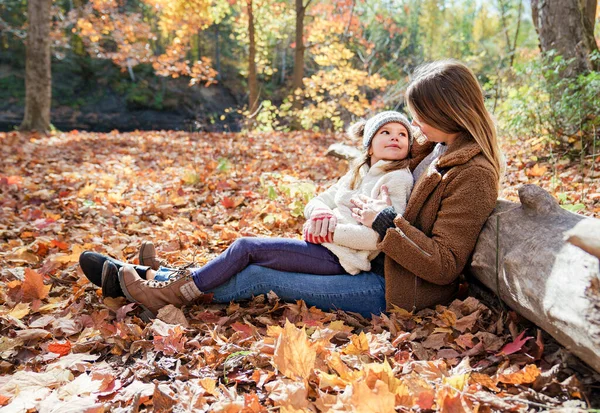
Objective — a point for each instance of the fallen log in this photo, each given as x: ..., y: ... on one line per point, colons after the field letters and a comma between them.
x: 342, y: 151
x: 522, y: 255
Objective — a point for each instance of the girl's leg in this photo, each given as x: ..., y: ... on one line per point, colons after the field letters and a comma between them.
x: 363, y: 293
x: 283, y: 254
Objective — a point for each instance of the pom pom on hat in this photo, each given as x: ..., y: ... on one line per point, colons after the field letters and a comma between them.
x: 372, y: 125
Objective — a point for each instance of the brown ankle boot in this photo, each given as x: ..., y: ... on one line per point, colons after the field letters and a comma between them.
x: 147, y: 255
x: 153, y: 295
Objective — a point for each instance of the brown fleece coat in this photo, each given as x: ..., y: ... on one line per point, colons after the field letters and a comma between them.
x: 431, y: 243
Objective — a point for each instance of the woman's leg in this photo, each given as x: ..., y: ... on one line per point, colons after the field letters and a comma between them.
x: 283, y: 254
x: 363, y: 293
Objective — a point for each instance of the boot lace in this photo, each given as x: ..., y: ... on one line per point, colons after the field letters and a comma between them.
x: 176, y: 275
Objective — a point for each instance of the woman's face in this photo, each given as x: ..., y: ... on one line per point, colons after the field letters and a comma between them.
x: 432, y: 134
x: 390, y: 143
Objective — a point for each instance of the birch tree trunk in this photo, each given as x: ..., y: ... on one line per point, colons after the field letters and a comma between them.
x: 38, y: 77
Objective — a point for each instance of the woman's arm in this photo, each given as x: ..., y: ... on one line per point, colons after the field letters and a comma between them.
x: 467, y: 203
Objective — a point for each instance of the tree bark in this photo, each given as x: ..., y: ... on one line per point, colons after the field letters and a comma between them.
x: 252, y: 79
x: 566, y: 27
x: 589, y: 8
x: 38, y: 76
x: 298, y: 73
x: 522, y: 256
x: 217, y: 52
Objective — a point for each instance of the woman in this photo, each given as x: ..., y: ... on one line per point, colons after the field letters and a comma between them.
x: 425, y: 249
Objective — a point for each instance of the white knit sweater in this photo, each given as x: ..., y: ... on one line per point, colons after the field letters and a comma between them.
x: 354, y: 244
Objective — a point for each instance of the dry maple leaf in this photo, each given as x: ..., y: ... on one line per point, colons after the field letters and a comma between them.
x: 527, y: 374
x: 288, y: 393
x: 172, y: 315
x: 516, y: 345
x: 60, y: 348
x: 294, y: 354
x: 375, y: 399
x: 33, y: 287
x: 173, y: 343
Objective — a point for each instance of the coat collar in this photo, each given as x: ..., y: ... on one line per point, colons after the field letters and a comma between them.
x: 463, y: 149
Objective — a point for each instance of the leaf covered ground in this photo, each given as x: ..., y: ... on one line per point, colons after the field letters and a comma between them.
x: 65, y: 348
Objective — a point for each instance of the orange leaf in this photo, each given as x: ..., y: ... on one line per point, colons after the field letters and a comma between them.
x: 244, y: 329
x: 59, y: 244
x: 484, y: 380
x: 173, y: 343
x: 451, y: 404
x: 294, y: 356
x: 227, y: 202
x: 527, y: 374
x: 4, y: 400
x: 536, y: 170
x: 33, y: 287
x: 60, y: 348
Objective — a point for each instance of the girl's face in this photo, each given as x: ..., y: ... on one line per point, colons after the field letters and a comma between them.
x: 390, y: 143
x: 432, y: 134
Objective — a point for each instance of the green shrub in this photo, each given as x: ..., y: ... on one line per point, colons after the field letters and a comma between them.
x: 541, y: 102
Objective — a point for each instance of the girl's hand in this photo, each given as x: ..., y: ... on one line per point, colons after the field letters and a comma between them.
x: 322, y: 222
x: 366, y: 209
x: 309, y: 237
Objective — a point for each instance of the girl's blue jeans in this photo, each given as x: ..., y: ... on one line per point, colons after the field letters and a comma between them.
x: 283, y: 254
x: 293, y: 269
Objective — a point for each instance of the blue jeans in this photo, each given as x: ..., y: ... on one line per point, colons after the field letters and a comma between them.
x: 363, y: 293
x: 294, y: 270
x: 283, y: 254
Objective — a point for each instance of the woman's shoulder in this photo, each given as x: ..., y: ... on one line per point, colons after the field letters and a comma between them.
x: 477, y: 172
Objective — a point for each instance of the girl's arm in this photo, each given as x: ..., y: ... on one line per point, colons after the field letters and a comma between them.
x: 325, y: 200
x: 360, y: 237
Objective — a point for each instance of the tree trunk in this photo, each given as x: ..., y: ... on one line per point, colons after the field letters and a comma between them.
x: 589, y: 10
x: 521, y: 255
x: 298, y: 74
x: 38, y: 77
x: 565, y: 26
x: 252, y: 79
x: 217, y: 52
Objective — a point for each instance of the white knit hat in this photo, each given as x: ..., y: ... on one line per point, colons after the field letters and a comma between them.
x: 377, y: 121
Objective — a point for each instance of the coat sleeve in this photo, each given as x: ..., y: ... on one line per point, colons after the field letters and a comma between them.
x: 325, y: 200
x: 355, y: 236
x: 466, y: 204
x: 359, y: 237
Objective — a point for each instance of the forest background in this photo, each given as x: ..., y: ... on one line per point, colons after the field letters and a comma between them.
x: 281, y: 65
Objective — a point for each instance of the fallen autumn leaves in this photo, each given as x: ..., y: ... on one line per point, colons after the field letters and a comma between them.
x: 64, y: 348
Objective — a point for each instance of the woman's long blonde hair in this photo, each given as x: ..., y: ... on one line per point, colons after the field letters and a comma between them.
x: 357, y: 131
x: 447, y: 96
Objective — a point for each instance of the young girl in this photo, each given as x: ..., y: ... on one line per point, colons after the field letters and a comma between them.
x: 335, y: 243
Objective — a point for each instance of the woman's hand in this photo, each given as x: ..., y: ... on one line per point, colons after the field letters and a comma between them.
x: 366, y: 209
